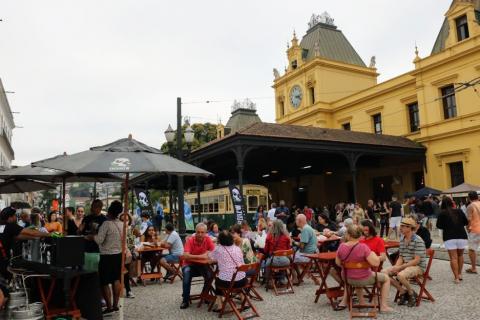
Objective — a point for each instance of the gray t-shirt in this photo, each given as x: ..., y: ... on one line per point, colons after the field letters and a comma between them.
x: 176, y: 243
x: 309, y: 239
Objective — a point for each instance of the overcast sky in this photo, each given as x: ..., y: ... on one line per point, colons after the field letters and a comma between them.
x: 89, y: 72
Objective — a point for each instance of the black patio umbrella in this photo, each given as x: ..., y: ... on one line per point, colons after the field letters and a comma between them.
x: 122, y: 156
x: 52, y: 175
x: 21, y: 186
x: 55, y: 176
x: 426, y: 191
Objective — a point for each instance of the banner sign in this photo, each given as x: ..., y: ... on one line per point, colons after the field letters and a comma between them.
x: 238, y: 207
x: 187, y: 213
x: 143, y: 200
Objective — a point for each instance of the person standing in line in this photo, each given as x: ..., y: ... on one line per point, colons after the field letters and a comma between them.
x: 71, y: 226
x: 79, y: 214
x: 271, y: 212
x: 282, y: 212
x: 453, y: 222
x: 90, y: 226
x: 109, y: 241
x: 473, y: 214
x: 384, y: 213
x: 396, y: 213
x: 371, y: 212
x: 358, y: 214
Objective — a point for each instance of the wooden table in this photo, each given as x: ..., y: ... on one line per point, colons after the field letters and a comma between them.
x: 391, y: 244
x: 322, y: 244
x: 325, y: 261
x: 150, y: 275
x: 207, y: 295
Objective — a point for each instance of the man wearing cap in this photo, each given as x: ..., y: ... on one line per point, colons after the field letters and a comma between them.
x: 411, y: 262
x: 10, y: 231
x: 473, y: 215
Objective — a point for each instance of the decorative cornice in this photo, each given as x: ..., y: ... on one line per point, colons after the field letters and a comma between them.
x: 465, y: 153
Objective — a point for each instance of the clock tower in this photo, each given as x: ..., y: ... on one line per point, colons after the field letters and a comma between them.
x: 322, y: 68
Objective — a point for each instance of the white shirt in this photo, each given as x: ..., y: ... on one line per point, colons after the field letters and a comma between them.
x: 271, y: 214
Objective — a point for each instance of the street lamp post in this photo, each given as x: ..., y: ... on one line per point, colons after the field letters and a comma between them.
x: 170, y: 136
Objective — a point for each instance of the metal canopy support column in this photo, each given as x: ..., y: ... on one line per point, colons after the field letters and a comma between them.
x: 352, y: 159
x: 240, y: 155
x: 170, y: 200
x: 199, y: 207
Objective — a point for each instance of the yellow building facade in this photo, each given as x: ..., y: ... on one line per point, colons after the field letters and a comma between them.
x: 436, y: 104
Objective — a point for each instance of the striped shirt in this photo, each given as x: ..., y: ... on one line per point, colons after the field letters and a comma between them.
x: 416, y: 247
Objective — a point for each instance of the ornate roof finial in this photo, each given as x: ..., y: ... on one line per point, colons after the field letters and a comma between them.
x: 294, y: 39
x: 417, y: 57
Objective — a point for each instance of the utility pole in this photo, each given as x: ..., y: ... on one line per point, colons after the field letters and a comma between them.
x: 181, y: 216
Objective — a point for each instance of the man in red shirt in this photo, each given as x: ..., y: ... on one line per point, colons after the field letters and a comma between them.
x: 372, y: 240
x: 196, y: 247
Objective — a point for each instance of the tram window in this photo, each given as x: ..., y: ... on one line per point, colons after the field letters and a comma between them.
x: 263, y: 201
x: 210, y: 207
x: 252, y: 203
x: 215, y: 207
x: 221, y: 203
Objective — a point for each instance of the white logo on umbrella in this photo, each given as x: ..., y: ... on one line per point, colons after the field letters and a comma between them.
x: 120, y: 164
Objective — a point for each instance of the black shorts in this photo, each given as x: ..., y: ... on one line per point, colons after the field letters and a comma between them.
x: 109, y: 268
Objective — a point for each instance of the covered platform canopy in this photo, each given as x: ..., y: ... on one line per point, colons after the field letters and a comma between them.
x: 462, y: 190
x: 267, y: 154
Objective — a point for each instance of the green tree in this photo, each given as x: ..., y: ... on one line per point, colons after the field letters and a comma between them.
x: 203, y: 133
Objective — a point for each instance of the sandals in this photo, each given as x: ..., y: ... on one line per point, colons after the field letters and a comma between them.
x: 471, y: 271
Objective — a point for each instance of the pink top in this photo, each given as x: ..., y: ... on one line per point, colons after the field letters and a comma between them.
x: 228, y: 259
x: 359, y: 253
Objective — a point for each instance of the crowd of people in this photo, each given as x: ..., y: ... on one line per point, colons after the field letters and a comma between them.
x: 362, y: 233
x: 283, y: 228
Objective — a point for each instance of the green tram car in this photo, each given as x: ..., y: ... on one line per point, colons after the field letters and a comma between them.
x: 216, y: 204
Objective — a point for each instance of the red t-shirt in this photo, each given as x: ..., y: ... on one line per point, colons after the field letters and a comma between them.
x: 195, y: 248
x: 376, y: 244
x: 308, y: 214
x: 281, y: 243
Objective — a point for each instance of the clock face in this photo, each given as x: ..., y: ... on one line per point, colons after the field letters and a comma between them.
x: 296, y: 96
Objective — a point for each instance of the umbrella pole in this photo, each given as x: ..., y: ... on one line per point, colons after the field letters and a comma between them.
x: 65, y: 222
x: 124, y: 234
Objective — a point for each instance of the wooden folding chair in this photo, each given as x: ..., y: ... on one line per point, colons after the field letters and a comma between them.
x: 422, y: 280
x: 373, y: 289
x: 252, y: 278
x: 229, y: 293
x: 302, y: 269
x: 274, y: 272
x: 177, y: 272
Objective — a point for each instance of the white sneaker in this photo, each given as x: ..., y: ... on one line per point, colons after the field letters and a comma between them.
x: 130, y: 295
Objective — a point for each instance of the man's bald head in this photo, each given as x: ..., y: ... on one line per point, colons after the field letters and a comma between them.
x: 301, y: 220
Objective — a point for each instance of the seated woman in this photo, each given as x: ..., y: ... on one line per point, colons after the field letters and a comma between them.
x: 354, y: 251
x: 213, y: 230
x: 277, y: 239
x: 150, y: 236
x: 228, y: 257
x: 325, y: 223
x: 53, y: 225
x: 260, y: 238
x: 243, y: 244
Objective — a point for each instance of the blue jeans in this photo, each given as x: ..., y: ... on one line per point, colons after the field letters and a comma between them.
x: 191, y: 271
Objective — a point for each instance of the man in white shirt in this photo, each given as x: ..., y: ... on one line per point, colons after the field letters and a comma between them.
x: 271, y: 212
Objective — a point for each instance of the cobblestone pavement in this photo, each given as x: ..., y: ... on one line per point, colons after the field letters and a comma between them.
x: 452, y: 302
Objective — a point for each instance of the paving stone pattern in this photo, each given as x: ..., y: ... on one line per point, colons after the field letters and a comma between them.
x: 453, y: 302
